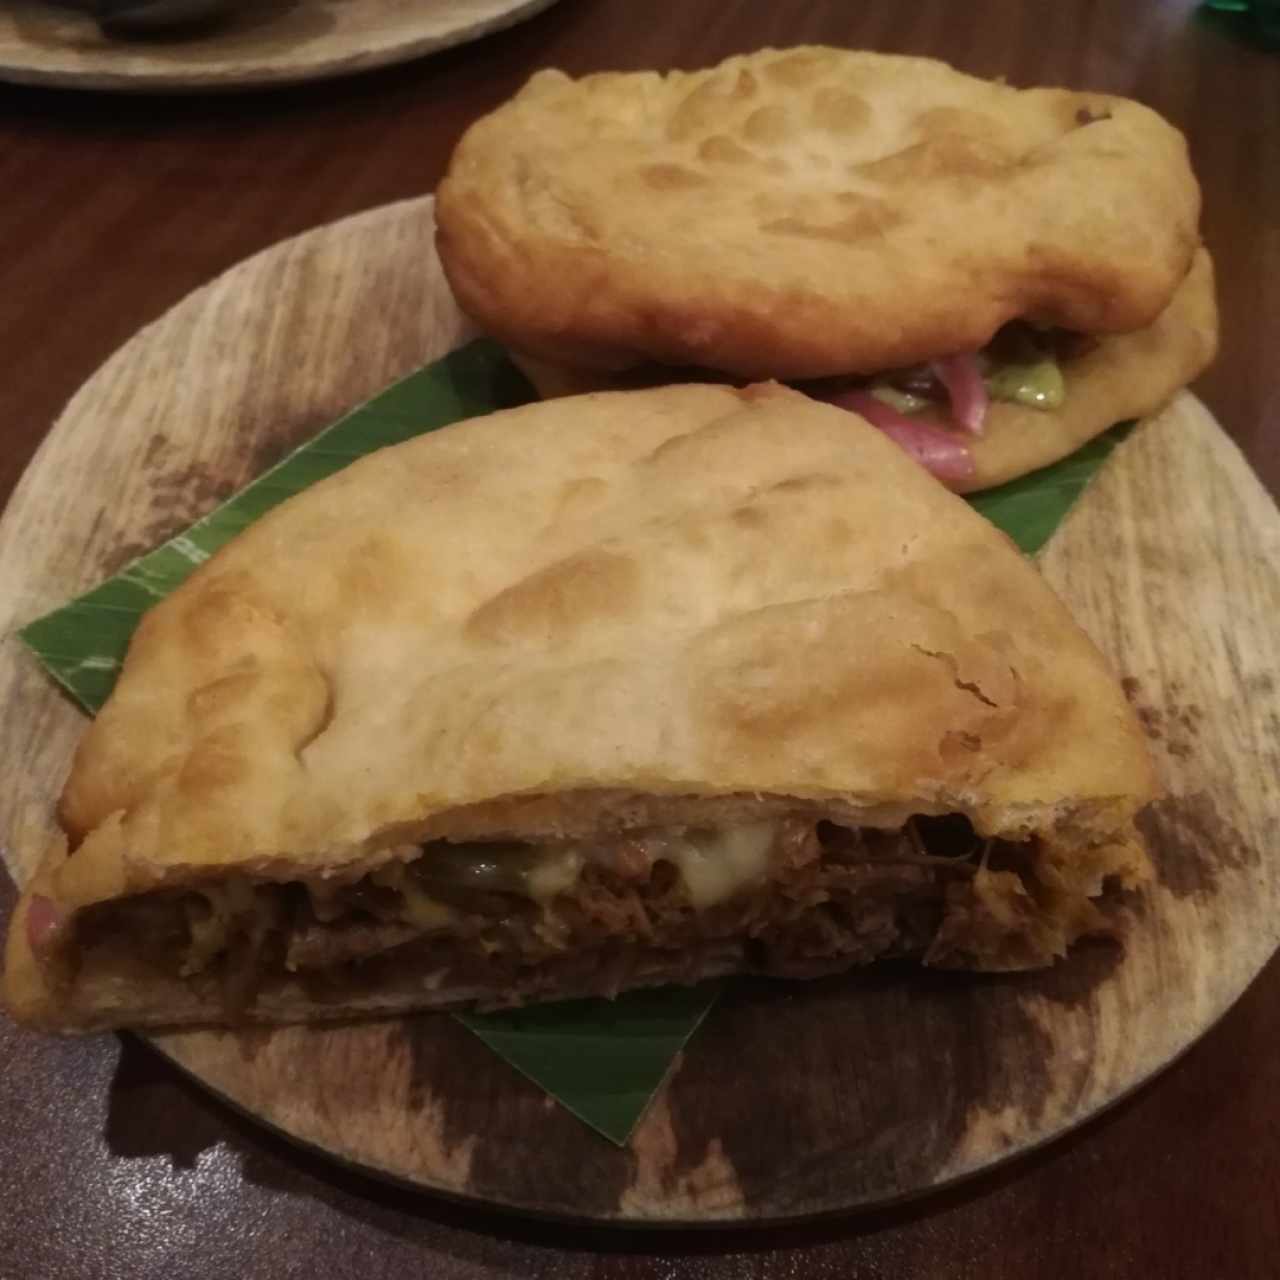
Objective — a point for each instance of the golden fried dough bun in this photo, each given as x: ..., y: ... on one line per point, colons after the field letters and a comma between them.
x: 681, y: 606
x: 1127, y: 375
x: 809, y: 212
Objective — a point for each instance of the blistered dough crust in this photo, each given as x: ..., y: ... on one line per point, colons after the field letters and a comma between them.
x: 809, y: 212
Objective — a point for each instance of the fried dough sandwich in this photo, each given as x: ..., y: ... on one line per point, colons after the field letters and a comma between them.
x: 619, y: 690
x: 991, y: 276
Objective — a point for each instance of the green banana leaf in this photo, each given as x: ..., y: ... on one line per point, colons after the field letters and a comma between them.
x: 603, y: 1060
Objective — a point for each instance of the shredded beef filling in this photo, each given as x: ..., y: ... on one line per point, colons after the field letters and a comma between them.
x: 519, y: 920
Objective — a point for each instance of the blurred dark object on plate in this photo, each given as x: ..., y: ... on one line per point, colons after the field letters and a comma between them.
x: 1257, y: 20
x: 152, y: 19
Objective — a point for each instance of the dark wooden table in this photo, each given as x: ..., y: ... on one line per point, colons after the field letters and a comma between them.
x: 112, y: 208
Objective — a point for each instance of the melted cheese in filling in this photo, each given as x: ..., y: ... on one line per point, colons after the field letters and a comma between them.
x: 715, y: 865
x: 419, y: 907
x: 554, y: 873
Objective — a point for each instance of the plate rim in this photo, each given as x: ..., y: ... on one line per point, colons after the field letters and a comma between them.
x: 266, y: 72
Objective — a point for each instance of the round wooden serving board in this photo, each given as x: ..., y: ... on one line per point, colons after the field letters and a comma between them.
x: 793, y: 1098
x: 263, y: 42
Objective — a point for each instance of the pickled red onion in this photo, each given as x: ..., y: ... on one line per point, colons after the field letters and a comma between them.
x: 965, y: 388
x: 44, y: 919
x: 938, y: 450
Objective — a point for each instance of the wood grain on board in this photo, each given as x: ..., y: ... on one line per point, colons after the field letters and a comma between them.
x: 260, y: 42
x: 793, y: 1099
